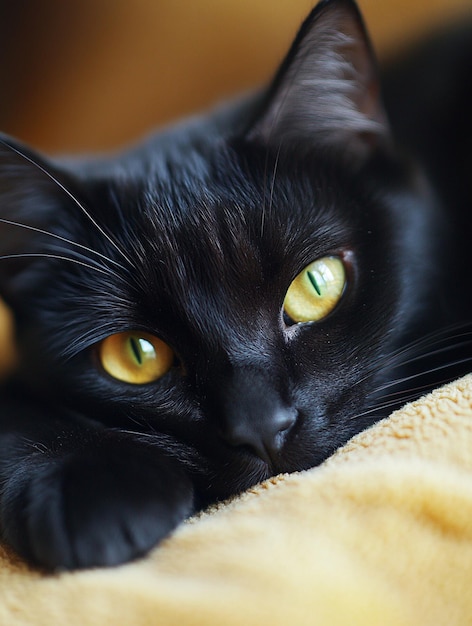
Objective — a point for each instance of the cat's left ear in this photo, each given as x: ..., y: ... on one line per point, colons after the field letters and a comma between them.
x: 31, y: 197
x: 326, y: 94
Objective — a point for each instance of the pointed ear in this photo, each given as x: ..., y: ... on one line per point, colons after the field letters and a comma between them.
x: 28, y: 193
x: 29, y: 200
x: 326, y: 93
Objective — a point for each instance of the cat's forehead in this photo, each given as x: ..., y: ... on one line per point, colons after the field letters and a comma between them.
x: 207, y: 221
x: 208, y: 226
x: 230, y: 206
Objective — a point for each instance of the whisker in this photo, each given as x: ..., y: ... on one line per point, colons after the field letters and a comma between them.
x: 378, y: 413
x: 70, y: 195
x: 139, y: 433
x: 56, y: 256
x: 85, y: 340
x: 38, y: 446
x: 409, y: 395
x: 438, y: 351
x: 444, y: 334
x: 430, y: 346
x: 388, y: 405
x: 274, y: 175
x: 393, y: 360
x: 448, y: 348
x: 264, y: 199
x: 402, y: 398
x: 164, y: 442
x: 405, y: 379
x: 64, y: 239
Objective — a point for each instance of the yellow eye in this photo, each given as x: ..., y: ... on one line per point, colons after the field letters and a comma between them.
x: 316, y: 291
x: 135, y: 357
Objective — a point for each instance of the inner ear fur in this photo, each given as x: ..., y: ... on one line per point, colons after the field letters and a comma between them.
x: 326, y: 94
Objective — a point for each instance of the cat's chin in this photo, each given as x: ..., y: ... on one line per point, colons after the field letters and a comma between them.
x: 242, y: 470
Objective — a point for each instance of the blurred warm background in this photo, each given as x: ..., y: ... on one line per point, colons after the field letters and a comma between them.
x: 84, y: 75
x: 93, y: 74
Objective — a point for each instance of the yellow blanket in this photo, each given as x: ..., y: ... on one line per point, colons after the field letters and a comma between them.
x: 380, y: 534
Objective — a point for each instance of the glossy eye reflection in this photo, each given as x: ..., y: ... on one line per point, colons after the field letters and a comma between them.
x: 316, y: 290
x: 135, y: 357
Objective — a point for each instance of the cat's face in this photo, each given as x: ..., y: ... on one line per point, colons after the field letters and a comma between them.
x: 194, y: 240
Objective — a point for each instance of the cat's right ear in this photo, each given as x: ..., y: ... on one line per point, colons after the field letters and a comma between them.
x: 30, y: 196
x: 326, y: 94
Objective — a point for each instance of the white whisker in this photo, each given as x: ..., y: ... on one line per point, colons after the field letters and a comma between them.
x: 394, y: 360
x: 405, y: 379
x: 378, y: 408
x: 56, y: 256
x: 274, y: 176
x: 64, y: 239
x: 71, y: 196
x: 435, y: 338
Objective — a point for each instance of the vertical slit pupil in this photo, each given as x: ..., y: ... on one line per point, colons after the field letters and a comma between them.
x: 135, y: 348
x: 312, y: 280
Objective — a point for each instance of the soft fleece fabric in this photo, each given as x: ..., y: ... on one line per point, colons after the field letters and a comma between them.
x: 380, y: 534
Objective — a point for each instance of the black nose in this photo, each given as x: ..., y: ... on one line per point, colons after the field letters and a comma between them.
x: 263, y: 433
x: 253, y: 414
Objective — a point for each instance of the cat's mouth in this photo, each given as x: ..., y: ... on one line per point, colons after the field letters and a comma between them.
x: 237, y: 469
x: 241, y: 471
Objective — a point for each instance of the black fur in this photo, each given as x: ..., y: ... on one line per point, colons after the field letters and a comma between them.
x: 195, y: 236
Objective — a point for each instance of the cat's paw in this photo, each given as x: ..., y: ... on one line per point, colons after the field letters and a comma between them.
x: 98, y: 506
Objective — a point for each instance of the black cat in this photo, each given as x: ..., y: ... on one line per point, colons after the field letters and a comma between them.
x: 234, y: 298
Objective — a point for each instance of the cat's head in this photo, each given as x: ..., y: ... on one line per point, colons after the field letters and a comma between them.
x: 234, y: 282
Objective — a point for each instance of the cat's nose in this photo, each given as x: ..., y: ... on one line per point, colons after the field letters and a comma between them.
x: 263, y: 434
x: 253, y: 415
